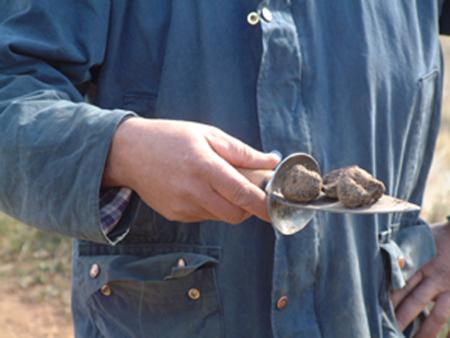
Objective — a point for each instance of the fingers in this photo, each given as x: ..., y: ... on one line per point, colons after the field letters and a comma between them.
x: 236, y: 189
x: 223, y: 210
x: 415, y: 302
x: 398, y: 295
x: 437, y: 318
x: 196, y: 213
x: 239, y: 154
x: 231, y: 185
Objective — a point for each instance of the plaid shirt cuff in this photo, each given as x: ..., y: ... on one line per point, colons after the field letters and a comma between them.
x: 113, y: 202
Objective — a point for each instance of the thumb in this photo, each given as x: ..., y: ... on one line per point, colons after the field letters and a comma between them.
x: 239, y: 154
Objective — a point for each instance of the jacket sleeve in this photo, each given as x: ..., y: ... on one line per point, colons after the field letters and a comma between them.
x: 53, y: 145
x: 444, y: 23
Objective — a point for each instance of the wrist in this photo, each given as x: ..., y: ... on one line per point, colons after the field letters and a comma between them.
x: 116, y: 172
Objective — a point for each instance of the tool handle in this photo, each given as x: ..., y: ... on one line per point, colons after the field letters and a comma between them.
x: 259, y: 177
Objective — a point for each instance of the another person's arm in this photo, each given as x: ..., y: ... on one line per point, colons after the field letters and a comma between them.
x: 431, y: 284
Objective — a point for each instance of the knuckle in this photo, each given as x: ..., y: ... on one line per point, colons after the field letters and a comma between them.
x: 244, y: 151
x: 212, y: 133
x: 214, y: 130
x: 203, y: 168
x: 236, y: 218
x: 241, y: 196
x: 439, y: 318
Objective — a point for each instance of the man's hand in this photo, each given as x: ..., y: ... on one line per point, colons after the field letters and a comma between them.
x: 430, y: 284
x: 186, y: 171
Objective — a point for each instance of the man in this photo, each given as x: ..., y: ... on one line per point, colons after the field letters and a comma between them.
x: 144, y: 176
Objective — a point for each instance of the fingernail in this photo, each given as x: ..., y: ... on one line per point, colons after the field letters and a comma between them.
x: 277, y: 154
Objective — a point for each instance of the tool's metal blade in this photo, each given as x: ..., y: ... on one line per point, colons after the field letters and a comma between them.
x: 385, y: 205
x: 290, y: 217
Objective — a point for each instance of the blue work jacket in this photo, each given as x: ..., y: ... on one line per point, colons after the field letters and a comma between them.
x: 350, y: 82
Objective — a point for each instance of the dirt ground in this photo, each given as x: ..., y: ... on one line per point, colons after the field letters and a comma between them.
x: 22, y: 318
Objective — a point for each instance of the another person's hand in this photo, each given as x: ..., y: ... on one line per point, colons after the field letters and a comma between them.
x: 430, y: 284
x: 186, y: 171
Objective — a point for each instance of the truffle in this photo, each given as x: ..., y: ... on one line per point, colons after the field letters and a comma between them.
x: 330, y: 182
x: 353, y: 186
x: 301, y: 184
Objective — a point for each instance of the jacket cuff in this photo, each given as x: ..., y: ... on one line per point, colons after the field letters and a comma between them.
x: 121, y: 227
x: 113, y: 203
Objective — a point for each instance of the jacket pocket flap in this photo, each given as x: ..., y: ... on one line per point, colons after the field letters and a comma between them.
x: 159, y: 268
x: 191, y: 264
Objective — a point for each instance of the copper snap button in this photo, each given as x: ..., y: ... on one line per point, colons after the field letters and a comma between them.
x: 282, y: 302
x: 181, y: 263
x: 106, y: 290
x: 401, y: 262
x: 194, y: 294
x: 94, y: 271
x: 253, y: 18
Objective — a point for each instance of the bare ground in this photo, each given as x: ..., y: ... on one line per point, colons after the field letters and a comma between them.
x: 21, y: 317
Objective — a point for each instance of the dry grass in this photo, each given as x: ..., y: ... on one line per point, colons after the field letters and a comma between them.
x: 436, y: 204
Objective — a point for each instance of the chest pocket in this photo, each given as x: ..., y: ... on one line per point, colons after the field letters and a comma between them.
x: 162, y: 296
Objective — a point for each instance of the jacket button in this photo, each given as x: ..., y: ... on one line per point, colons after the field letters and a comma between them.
x: 194, y: 294
x: 106, y: 290
x: 181, y: 263
x: 94, y: 271
x: 401, y: 262
x: 253, y: 18
x: 266, y: 14
x: 282, y: 302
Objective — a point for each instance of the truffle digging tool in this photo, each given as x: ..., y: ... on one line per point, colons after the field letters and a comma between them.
x: 289, y: 217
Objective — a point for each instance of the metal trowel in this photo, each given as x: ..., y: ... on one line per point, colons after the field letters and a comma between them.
x: 289, y: 217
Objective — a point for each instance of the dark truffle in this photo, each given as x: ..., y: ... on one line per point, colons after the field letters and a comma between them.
x: 330, y: 182
x: 353, y: 186
x: 301, y: 184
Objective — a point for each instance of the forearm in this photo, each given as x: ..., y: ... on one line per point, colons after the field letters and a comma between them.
x: 52, y: 154
x: 53, y: 146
